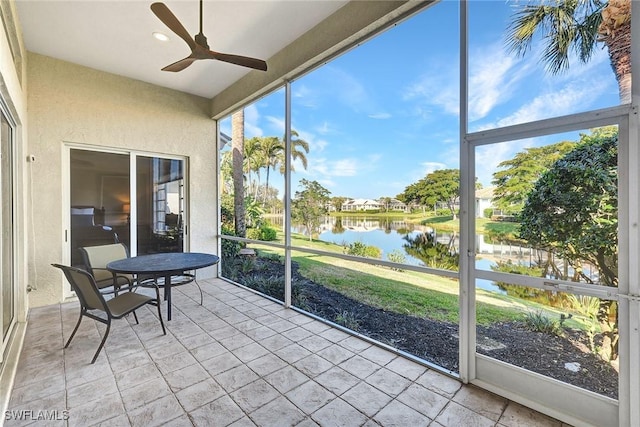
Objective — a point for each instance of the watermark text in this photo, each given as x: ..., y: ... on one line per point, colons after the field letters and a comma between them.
x: 31, y: 415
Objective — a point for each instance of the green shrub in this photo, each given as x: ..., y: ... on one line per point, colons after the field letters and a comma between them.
x: 264, y: 233
x: 230, y: 248
x: 397, y: 256
x: 253, y: 233
x: 539, y: 322
x: 273, y: 286
x: 360, y: 249
x: 487, y: 213
x: 268, y: 233
x: 348, y: 319
x: 226, y: 213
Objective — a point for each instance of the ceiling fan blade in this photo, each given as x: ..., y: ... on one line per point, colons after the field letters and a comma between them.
x: 169, y: 19
x: 245, y: 61
x: 180, y: 65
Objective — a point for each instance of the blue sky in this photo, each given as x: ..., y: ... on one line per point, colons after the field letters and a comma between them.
x: 386, y: 113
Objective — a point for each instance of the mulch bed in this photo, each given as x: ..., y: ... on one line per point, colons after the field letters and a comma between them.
x: 437, y: 342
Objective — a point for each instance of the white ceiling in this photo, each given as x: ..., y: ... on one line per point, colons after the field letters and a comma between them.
x: 115, y: 36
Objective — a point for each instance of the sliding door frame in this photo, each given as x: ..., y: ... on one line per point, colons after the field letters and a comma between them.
x: 13, y: 244
x: 133, y: 157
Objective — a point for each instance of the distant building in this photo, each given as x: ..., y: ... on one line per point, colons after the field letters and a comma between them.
x: 353, y: 205
x: 394, y: 205
x: 484, y: 200
x: 357, y: 205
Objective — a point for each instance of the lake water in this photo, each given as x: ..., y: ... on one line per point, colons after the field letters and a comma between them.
x: 389, y: 236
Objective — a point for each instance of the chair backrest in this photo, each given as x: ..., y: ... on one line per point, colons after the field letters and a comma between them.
x: 99, y: 256
x: 85, y: 287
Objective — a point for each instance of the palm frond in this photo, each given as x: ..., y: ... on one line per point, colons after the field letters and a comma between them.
x: 587, y: 35
x: 524, y: 26
x: 562, y: 25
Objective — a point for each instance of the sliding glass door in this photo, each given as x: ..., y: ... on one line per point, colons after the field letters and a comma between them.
x: 7, y: 240
x: 126, y: 197
x: 160, y: 205
x: 99, y: 191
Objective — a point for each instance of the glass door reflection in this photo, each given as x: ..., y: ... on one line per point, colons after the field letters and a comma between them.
x: 160, y: 205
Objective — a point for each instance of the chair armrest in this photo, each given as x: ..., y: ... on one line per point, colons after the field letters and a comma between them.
x: 114, y: 276
x: 152, y: 284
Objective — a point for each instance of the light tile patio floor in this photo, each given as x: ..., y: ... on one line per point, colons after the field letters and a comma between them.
x: 240, y: 360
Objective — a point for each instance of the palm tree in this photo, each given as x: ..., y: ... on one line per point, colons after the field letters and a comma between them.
x: 226, y: 171
x: 299, y: 150
x: 272, y: 150
x: 237, y: 145
x: 578, y: 26
x: 253, y: 157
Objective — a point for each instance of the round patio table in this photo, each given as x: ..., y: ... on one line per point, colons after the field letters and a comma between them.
x: 163, y: 265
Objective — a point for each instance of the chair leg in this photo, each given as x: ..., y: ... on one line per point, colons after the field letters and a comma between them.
x: 164, y: 331
x: 135, y: 316
x: 104, y: 339
x: 75, y: 329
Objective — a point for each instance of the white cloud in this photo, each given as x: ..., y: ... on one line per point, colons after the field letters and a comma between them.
x: 569, y: 99
x: 374, y: 158
x: 488, y: 157
x: 318, y: 145
x: 315, y: 145
x: 327, y: 183
x: 251, y: 119
x: 380, y: 116
x: 351, y: 91
x: 304, y: 96
x: 318, y: 166
x: 344, y: 167
x: 425, y: 169
x: 324, y: 128
x: 430, y: 167
x: 493, y: 76
x: 501, y: 78
x: 436, y: 88
x: 277, y: 124
x: 322, y: 168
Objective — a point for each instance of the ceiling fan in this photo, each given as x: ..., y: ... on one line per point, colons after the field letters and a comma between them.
x: 198, y: 45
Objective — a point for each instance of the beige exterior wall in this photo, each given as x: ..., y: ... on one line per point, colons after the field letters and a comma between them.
x: 69, y: 103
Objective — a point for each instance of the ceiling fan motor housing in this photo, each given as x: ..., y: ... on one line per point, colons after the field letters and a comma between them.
x: 201, y: 39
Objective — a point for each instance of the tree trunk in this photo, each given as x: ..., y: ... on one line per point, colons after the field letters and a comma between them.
x: 266, y: 189
x: 615, y: 32
x: 237, y: 140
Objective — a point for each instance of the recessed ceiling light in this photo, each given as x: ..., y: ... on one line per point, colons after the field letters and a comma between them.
x: 160, y: 36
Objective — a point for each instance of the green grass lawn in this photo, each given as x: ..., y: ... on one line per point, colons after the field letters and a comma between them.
x: 405, y: 292
x: 411, y: 293
x: 408, y: 292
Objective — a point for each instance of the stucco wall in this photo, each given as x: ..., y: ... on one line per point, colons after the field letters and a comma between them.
x: 71, y: 103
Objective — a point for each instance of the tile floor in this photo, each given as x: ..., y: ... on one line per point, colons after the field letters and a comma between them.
x: 239, y: 360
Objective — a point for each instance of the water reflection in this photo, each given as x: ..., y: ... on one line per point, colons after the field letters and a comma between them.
x: 420, y: 244
x: 426, y: 248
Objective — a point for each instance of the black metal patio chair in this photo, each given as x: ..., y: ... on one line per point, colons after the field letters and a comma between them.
x: 91, y: 301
